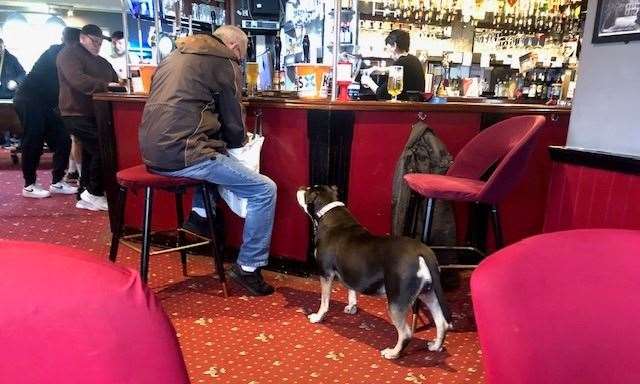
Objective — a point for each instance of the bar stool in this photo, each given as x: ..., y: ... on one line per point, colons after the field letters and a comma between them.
x: 139, y: 177
x: 502, y: 151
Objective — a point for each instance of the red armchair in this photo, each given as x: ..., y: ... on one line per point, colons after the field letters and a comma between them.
x: 561, y: 308
x: 67, y: 317
x: 505, y: 146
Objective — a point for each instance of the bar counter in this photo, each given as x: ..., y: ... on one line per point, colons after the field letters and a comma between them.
x: 354, y: 145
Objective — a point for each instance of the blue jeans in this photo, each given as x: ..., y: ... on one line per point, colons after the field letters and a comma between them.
x: 260, y: 192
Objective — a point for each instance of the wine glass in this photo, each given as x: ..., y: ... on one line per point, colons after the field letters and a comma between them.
x: 394, y: 83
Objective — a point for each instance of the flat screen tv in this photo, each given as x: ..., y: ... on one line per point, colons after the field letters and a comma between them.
x: 265, y: 7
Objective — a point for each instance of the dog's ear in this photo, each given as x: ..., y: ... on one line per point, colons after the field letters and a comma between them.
x: 334, y: 188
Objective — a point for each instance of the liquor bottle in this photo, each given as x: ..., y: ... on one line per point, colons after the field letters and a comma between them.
x: 532, y: 87
x: 526, y: 86
x: 546, y: 85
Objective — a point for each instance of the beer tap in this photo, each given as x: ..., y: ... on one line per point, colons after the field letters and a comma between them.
x: 278, y: 47
x: 305, y: 48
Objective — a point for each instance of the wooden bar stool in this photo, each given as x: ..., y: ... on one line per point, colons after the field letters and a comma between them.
x: 139, y: 177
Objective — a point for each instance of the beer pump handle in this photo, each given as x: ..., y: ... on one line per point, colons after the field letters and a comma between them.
x: 278, y: 48
x: 305, y: 48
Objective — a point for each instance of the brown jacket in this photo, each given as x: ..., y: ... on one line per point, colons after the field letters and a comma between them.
x: 194, y: 110
x: 80, y: 75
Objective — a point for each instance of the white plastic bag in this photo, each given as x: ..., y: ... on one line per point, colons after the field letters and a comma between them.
x: 249, y: 156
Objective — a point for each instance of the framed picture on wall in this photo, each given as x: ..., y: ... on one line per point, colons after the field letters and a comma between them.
x: 617, y: 21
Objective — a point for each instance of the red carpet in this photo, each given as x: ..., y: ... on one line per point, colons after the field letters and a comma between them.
x: 244, y: 339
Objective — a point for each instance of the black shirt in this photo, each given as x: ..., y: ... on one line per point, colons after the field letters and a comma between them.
x: 412, y: 79
x: 41, y: 84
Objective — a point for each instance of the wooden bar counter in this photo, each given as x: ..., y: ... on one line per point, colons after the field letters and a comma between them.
x: 354, y: 145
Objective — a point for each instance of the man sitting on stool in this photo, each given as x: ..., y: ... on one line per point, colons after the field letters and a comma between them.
x: 192, y: 116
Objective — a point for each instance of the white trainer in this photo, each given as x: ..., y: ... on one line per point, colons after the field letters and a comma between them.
x: 81, y: 204
x: 35, y: 191
x: 63, y: 187
x: 99, y: 202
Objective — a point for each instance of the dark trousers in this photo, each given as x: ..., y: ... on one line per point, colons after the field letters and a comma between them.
x: 42, y: 124
x: 86, y: 131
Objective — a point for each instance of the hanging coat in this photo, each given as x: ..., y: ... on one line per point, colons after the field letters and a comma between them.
x: 423, y: 153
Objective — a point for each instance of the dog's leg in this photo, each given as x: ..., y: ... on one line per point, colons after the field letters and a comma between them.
x: 399, y: 318
x: 325, y: 284
x: 431, y: 301
x: 352, y: 307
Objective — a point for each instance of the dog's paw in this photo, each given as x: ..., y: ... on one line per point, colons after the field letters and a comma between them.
x: 351, y: 309
x: 315, y: 317
x: 389, y: 353
x: 434, y: 347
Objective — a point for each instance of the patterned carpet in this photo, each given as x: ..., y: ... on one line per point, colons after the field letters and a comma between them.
x: 244, y: 339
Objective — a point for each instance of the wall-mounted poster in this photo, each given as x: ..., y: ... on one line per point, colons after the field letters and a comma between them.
x: 617, y: 20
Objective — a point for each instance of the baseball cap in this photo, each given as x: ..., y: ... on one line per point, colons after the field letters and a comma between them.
x: 94, y: 30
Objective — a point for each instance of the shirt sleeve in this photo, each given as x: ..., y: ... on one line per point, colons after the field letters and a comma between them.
x: 70, y: 68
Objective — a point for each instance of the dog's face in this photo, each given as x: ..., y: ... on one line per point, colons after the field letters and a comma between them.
x: 312, y: 199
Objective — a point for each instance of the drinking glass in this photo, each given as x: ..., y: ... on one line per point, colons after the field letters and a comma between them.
x: 252, y: 78
x: 394, y: 83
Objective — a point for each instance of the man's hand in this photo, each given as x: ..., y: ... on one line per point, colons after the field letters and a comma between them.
x: 368, y: 82
x: 12, y: 85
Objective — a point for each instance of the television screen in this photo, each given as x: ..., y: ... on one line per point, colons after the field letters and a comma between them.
x: 265, y: 7
x: 141, y: 8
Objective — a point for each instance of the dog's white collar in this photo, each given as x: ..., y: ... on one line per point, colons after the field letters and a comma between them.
x: 323, y: 211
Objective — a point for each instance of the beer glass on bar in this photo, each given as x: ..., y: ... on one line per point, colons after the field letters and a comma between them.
x: 394, y: 83
x: 252, y: 78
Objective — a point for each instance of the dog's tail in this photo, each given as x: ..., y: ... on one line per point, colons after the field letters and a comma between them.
x: 432, y: 264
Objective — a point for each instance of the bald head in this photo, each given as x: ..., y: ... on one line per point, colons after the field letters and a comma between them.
x: 234, y: 38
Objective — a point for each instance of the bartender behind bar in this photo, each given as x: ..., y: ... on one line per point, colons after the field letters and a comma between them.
x: 397, y: 43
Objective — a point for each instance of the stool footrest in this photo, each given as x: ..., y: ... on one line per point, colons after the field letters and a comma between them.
x: 125, y: 240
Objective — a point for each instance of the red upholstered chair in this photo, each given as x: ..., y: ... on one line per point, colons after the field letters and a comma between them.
x: 139, y: 177
x: 68, y: 317
x: 506, y: 146
x: 561, y: 308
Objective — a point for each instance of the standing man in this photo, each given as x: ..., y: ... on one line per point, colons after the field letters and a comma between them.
x: 118, y: 56
x: 81, y: 73
x: 36, y: 103
x: 11, y: 73
x: 192, y: 116
x: 397, y: 43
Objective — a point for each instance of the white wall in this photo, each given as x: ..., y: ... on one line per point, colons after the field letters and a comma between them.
x: 606, y: 107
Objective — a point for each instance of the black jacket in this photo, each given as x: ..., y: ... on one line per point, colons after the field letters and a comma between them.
x: 423, y: 153
x: 41, y: 84
x: 412, y: 78
x: 11, y: 70
x: 193, y: 111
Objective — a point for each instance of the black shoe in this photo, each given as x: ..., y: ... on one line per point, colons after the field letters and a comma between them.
x: 252, y: 281
x: 197, y: 224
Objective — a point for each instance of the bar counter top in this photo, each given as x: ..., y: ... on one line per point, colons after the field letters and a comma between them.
x: 486, y: 106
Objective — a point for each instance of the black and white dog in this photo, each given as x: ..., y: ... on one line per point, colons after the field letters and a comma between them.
x: 403, y: 268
